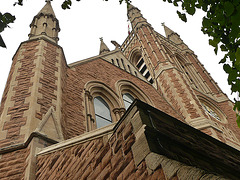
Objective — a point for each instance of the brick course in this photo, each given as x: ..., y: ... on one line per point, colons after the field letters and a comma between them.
x: 49, y: 87
x: 93, y: 160
x: 98, y: 70
x: 13, y: 164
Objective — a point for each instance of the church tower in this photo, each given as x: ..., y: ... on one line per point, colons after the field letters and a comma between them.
x: 176, y: 72
x: 146, y: 110
x: 31, y: 104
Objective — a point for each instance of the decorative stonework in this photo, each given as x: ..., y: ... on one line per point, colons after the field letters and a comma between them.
x: 14, y: 114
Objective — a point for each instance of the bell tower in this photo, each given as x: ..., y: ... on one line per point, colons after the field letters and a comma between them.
x: 145, y: 46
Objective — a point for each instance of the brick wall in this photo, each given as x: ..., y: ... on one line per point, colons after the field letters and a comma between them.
x: 49, y: 87
x: 23, y: 65
x: 96, y: 159
x: 99, y: 70
x: 13, y: 164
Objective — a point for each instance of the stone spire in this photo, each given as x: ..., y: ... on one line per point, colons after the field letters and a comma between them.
x: 171, y: 35
x: 135, y: 17
x: 45, y: 24
x: 103, y: 47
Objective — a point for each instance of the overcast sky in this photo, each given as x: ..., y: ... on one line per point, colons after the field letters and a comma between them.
x: 88, y: 20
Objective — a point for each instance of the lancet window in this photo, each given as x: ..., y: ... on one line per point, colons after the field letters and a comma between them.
x: 102, y: 112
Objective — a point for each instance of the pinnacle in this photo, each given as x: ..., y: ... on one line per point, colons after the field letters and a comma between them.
x: 47, y: 9
x: 103, y: 47
x: 167, y: 30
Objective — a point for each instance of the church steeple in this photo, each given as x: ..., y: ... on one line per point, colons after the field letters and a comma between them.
x: 103, y: 47
x: 173, y: 36
x: 135, y: 17
x: 45, y: 24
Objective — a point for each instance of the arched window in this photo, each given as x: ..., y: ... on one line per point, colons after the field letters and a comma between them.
x: 138, y: 61
x: 102, y: 112
x: 210, y: 111
x: 127, y: 99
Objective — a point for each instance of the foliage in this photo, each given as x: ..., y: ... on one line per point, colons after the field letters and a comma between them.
x: 221, y: 23
x: 5, y: 19
x: 68, y: 3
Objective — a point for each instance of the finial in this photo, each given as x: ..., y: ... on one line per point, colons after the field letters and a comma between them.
x: 101, y: 38
x: 163, y: 23
x: 48, y: 1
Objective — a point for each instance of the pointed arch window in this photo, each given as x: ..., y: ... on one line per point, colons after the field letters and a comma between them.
x: 137, y: 59
x: 102, y: 112
x: 210, y: 111
x: 127, y: 100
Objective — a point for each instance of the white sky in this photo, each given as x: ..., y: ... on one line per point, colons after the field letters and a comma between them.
x: 88, y: 20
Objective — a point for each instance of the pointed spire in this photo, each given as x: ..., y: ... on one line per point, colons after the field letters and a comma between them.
x: 103, y: 47
x: 170, y: 34
x: 47, y: 9
x: 45, y: 24
x: 168, y: 31
x: 130, y: 6
x: 135, y: 17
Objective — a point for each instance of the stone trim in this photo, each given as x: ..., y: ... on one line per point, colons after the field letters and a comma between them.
x: 72, y: 65
x: 58, y: 129
x: 172, y: 168
x: 107, y: 130
x: 26, y: 143
x: 154, y: 145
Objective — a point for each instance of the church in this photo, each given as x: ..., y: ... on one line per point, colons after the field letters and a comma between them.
x: 146, y: 110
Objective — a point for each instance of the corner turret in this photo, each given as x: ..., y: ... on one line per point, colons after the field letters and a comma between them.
x: 45, y: 24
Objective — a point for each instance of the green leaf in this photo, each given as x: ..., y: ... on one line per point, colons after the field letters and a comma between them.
x: 237, y: 106
x: 2, y: 44
x: 223, y: 48
x: 227, y: 68
x: 237, y: 54
x: 175, y: 3
x: 238, y: 120
x: 216, y: 50
x: 66, y: 4
x: 182, y: 16
x: 191, y: 10
x: 228, y: 8
x: 214, y: 42
x: 206, y: 22
x: 223, y: 60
